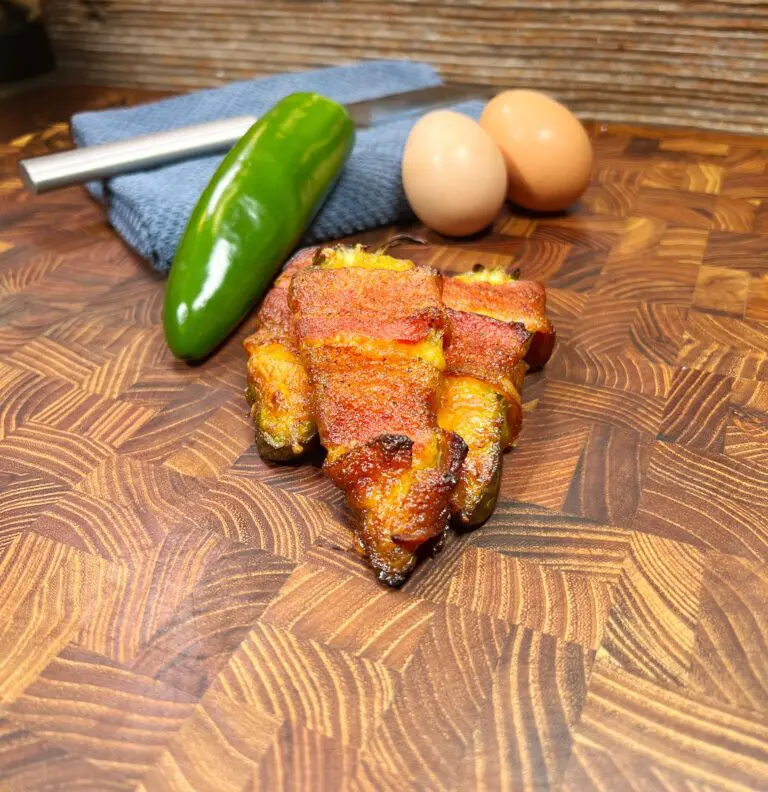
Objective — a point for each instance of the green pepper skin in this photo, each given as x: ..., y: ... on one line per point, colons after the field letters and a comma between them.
x: 250, y: 217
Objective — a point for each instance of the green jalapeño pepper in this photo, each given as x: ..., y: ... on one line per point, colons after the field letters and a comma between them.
x: 250, y: 217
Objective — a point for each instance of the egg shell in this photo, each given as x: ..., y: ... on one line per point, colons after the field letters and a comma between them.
x: 453, y: 174
x: 547, y: 151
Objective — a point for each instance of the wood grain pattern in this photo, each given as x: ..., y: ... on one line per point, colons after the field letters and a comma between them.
x: 523, y: 738
x: 709, y: 500
x: 178, y: 614
x: 123, y: 719
x: 734, y: 605
x: 383, y: 628
x: 569, y: 605
x: 701, y: 64
x: 458, y: 656
x: 648, y: 730
x: 609, y: 476
x: 650, y: 631
x: 34, y: 763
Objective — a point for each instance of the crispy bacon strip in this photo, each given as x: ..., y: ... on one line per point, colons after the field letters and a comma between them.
x: 370, y: 331
x: 494, y: 293
x: 495, y: 322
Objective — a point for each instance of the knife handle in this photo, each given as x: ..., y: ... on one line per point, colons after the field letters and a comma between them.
x: 41, y: 174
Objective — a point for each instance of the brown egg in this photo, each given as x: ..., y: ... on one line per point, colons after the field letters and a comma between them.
x: 546, y: 149
x: 453, y: 174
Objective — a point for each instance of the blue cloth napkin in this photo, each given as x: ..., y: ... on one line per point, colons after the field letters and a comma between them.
x: 150, y: 209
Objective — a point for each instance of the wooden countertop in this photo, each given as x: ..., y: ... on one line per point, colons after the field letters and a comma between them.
x: 175, y: 614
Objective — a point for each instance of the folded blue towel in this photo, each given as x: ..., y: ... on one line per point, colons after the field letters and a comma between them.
x: 150, y: 209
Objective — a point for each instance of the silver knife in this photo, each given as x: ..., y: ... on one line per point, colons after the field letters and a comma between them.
x: 49, y: 172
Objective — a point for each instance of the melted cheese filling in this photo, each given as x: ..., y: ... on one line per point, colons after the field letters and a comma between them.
x: 356, y: 257
x: 496, y: 276
x: 471, y: 408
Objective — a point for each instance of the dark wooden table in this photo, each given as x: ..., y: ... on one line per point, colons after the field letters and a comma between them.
x: 177, y: 615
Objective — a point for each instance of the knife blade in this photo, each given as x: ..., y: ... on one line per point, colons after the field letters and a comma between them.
x: 53, y: 171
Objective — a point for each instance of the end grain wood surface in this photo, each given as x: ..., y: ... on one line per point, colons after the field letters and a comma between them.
x: 702, y: 63
x: 175, y: 614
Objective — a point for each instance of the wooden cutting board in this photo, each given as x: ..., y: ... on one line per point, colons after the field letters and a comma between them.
x: 177, y: 614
